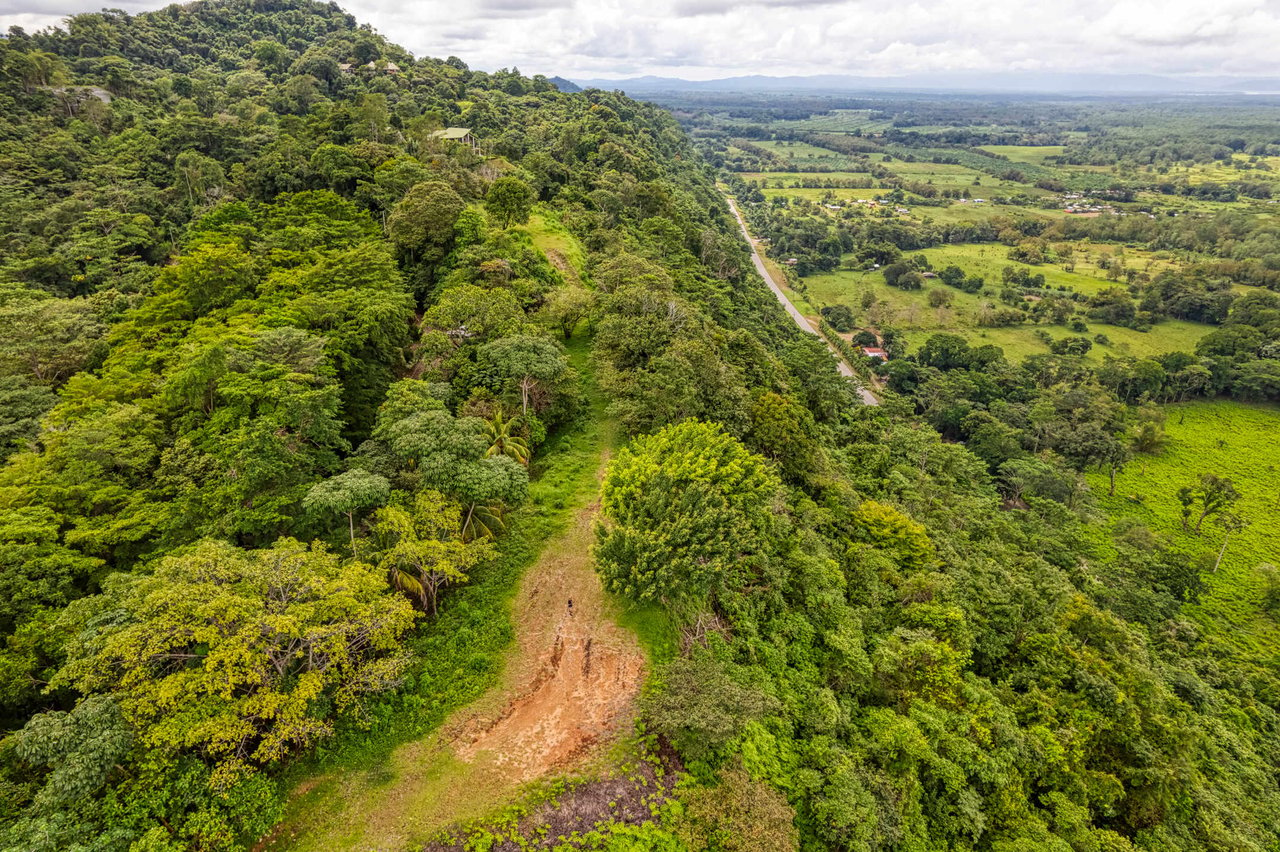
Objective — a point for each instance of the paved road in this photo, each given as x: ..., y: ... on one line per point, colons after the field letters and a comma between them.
x: 845, y: 370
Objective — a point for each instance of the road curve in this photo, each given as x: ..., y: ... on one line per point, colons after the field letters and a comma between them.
x: 845, y: 370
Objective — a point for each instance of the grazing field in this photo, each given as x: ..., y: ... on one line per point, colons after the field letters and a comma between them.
x: 947, y: 175
x: 958, y: 212
x: 804, y: 155
x: 792, y: 178
x: 1036, y: 155
x: 822, y: 194
x: 1230, y: 439
x: 1088, y: 275
x: 1241, y: 167
x: 910, y: 311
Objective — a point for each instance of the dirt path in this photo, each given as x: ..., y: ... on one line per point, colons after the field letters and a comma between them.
x: 567, y: 692
x: 845, y: 370
x: 575, y: 673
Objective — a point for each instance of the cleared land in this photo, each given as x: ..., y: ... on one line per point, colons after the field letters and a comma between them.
x: 910, y: 311
x: 1036, y: 155
x: 566, y: 695
x: 1229, y: 439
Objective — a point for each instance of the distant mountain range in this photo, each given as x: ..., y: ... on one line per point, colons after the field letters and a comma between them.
x: 1064, y: 83
x: 566, y: 85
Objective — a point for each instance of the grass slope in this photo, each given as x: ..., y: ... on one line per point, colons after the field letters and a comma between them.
x: 1228, y: 439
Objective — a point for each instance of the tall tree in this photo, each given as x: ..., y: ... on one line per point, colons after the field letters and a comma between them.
x: 346, y: 494
x: 509, y: 200
x: 423, y: 549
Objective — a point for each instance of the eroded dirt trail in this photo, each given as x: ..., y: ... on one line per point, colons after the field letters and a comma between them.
x: 575, y: 676
x: 567, y: 692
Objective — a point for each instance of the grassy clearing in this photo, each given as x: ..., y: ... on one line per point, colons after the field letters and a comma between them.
x: 554, y: 240
x: 797, y: 150
x: 946, y: 175
x: 1088, y: 276
x: 821, y: 194
x: 982, y: 212
x: 1241, y: 167
x: 801, y: 155
x: 1036, y: 155
x: 911, y: 312
x: 1228, y: 439
x: 792, y: 178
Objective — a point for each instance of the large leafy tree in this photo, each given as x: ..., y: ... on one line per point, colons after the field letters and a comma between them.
x: 46, y: 339
x: 274, y: 429
x: 686, y: 511
x: 234, y: 655
x: 533, y: 367
x: 422, y: 222
x: 346, y: 494
x: 509, y: 200
x: 1212, y: 495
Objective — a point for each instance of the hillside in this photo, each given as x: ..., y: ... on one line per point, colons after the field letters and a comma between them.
x: 363, y: 486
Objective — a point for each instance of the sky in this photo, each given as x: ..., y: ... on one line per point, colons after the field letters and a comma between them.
x: 705, y: 39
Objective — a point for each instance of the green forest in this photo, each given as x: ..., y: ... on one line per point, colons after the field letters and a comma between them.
x: 304, y: 402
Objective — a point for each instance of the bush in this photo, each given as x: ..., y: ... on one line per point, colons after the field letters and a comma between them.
x: 1071, y: 346
x: 903, y: 276
x: 840, y: 317
x: 865, y: 338
x: 703, y: 706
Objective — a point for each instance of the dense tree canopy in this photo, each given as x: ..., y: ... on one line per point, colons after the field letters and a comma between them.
x: 282, y: 369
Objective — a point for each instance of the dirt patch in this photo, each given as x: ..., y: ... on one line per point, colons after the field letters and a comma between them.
x: 560, y: 262
x: 576, y: 676
x: 627, y: 798
x: 567, y: 692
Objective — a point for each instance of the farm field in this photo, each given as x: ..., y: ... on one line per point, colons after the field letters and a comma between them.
x: 1229, y: 439
x: 1239, y: 167
x: 802, y: 154
x: 960, y: 212
x: 790, y: 149
x: 1036, y: 155
x: 951, y: 175
x: 789, y: 178
x: 1088, y: 276
x: 910, y: 311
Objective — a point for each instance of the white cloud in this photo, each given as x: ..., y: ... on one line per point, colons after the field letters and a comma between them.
x: 712, y: 38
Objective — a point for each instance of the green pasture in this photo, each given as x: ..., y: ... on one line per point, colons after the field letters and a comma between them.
x: 1235, y: 440
x: 910, y: 310
x: 1036, y: 155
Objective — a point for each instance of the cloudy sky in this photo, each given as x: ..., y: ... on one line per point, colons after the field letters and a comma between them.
x: 701, y: 39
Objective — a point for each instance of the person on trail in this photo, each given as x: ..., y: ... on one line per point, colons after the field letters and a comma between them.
x: 571, y: 606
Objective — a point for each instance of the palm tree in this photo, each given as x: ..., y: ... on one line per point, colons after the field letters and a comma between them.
x: 503, y: 441
x: 482, y: 521
x: 404, y: 579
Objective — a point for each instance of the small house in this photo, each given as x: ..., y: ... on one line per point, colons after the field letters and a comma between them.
x: 792, y: 261
x: 875, y: 352
x: 345, y: 67
x: 928, y: 275
x: 461, y: 135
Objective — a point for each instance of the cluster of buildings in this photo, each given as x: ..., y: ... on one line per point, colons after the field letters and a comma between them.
x: 389, y: 68
x: 1082, y: 205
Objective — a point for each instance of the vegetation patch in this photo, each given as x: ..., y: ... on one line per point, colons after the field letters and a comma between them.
x: 1234, y: 441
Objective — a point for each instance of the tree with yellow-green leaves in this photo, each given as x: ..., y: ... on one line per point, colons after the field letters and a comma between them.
x: 422, y: 547
x: 241, y: 657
